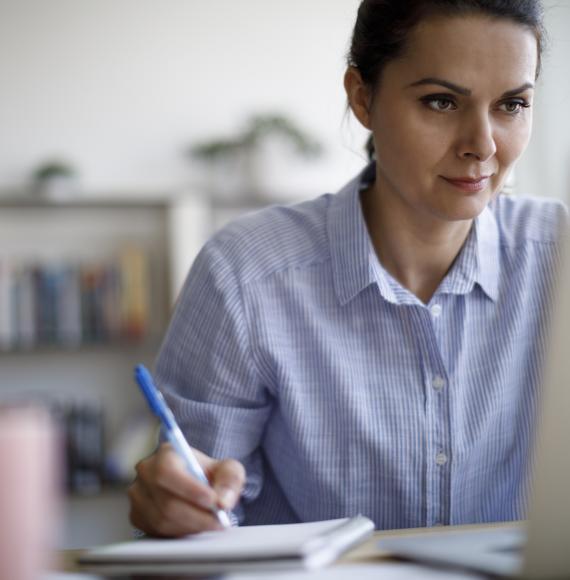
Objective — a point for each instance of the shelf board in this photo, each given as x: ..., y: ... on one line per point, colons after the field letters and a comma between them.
x: 126, y: 199
x: 82, y: 203
x: 147, y: 344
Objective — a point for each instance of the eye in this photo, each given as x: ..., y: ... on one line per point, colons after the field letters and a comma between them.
x: 439, y: 103
x: 514, y: 106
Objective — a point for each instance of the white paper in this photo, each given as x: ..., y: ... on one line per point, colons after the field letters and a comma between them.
x: 248, y: 541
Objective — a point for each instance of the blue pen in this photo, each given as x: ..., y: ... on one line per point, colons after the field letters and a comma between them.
x: 171, y: 429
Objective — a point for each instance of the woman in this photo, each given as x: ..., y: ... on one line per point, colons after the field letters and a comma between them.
x: 377, y: 351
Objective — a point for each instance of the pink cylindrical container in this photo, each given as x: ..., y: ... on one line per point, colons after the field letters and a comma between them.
x: 29, y: 468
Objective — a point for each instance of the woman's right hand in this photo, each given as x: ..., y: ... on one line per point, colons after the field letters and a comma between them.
x: 167, y: 501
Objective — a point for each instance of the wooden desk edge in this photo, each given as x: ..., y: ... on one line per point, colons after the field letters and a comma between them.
x: 369, y: 552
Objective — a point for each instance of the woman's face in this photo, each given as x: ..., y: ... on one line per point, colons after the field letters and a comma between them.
x: 452, y: 115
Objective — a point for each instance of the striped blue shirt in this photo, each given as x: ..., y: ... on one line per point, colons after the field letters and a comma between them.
x: 293, y: 350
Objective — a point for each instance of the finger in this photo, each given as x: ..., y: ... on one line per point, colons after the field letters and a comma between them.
x: 143, y: 511
x: 169, y: 473
x: 168, y: 515
x: 179, y: 517
x: 228, y: 479
x: 208, y: 463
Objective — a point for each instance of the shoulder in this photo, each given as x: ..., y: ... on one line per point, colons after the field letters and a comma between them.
x: 273, y: 239
x: 524, y: 219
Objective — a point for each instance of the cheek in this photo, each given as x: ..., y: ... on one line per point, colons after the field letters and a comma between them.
x: 406, y: 145
x: 510, y: 146
x: 512, y: 143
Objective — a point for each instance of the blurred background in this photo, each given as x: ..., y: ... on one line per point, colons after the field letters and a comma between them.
x: 130, y: 131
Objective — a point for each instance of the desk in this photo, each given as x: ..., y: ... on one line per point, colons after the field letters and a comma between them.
x: 361, y: 563
x: 368, y: 552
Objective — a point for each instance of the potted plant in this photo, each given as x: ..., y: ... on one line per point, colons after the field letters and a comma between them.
x: 55, y: 179
x: 236, y: 164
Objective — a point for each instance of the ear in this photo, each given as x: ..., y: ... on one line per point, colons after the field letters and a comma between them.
x: 359, y: 95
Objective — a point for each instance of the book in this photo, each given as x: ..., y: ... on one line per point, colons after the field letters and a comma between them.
x: 7, y: 322
x: 69, y: 329
x: 135, y: 298
x: 287, y: 546
x: 26, y: 309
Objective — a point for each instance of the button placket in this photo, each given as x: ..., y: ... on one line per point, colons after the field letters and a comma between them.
x: 435, y: 310
x: 437, y: 419
x: 438, y: 382
x: 441, y: 458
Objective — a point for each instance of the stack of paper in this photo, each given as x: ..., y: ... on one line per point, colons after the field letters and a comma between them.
x: 310, y: 545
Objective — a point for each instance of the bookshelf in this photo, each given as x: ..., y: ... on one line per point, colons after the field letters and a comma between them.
x: 64, y: 268
x: 84, y: 273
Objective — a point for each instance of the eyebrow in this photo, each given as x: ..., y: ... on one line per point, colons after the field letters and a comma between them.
x: 464, y: 91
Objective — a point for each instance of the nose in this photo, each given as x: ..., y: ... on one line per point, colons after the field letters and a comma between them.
x: 477, y: 140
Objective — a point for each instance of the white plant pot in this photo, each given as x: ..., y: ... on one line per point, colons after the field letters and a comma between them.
x: 58, y: 188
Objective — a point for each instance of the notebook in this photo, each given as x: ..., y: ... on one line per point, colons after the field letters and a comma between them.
x: 541, y: 548
x: 288, y: 546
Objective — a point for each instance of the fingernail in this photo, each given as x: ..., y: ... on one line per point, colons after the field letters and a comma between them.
x: 227, y: 497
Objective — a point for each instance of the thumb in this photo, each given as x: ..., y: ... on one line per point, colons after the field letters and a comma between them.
x: 228, y: 478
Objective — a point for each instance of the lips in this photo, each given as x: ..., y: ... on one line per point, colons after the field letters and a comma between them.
x: 468, y: 184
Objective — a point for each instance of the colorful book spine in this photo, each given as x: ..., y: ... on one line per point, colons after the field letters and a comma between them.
x: 135, y: 296
x: 71, y: 304
x: 7, y: 317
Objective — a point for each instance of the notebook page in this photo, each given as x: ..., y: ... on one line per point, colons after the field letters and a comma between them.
x: 240, y: 543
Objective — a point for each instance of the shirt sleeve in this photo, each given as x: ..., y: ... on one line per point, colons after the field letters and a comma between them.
x: 207, y: 372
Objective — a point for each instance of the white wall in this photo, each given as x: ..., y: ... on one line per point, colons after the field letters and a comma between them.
x: 545, y: 167
x: 122, y: 87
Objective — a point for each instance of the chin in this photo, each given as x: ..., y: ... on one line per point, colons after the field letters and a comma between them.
x: 466, y: 209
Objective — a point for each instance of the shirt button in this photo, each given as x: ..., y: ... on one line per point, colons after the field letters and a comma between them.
x: 438, y: 383
x: 435, y: 310
x: 441, y: 458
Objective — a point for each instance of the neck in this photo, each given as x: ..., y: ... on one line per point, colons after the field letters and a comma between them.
x: 418, y: 251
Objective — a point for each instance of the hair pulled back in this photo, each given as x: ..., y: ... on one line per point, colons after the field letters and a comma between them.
x: 382, y: 28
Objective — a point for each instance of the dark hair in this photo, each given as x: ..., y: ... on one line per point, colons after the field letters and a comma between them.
x: 382, y: 28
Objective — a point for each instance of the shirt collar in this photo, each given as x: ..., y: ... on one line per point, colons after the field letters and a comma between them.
x: 478, y: 260
x: 349, y: 241
x: 356, y: 266
x: 488, y: 253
